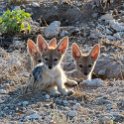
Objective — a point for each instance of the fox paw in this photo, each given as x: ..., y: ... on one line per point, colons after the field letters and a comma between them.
x: 70, y: 92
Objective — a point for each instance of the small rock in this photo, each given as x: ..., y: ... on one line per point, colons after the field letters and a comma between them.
x: 119, y: 27
x: 119, y: 35
x: 47, y: 96
x: 25, y: 103
x: 77, y: 106
x: 52, y: 30
x: 35, y: 4
x: 17, y: 7
x: 102, y: 101
x: 72, y: 113
x: 109, y: 37
x: 106, y: 17
x: 64, y: 33
x: 94, y: 82
x: 33, y: 116
x: 117, y: 117
x: 102, y: 72
x: 52, y: 122
x: 65, y: 102
x: 3, y: 91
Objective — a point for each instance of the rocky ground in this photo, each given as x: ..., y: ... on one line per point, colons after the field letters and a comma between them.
x: 87, y: 23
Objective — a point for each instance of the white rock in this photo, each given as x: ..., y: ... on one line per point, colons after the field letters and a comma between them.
x: 35, y: 4
x: 52, y: 30
x: 119, y: 27
x: 25, y: 103
x: 64, y: 33
x: 47, y: 96
x: 72, y: 113
x: 3, y: 91
x: 77, y: 106
x: 94, y: 82
x: 106, y: 17
x: 33, y: 116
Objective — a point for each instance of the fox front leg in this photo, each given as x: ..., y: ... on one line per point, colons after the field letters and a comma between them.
x: 71, y: 83
x: 62, y: 88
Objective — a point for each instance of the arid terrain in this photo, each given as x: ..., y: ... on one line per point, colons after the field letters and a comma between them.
x: 86, y: 22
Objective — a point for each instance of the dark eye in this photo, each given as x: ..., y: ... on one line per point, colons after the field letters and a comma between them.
x: 55, y: 59
x: 80, y: 66
x: 39, y: 60
x: 46, y: 59
x: 89, y: 65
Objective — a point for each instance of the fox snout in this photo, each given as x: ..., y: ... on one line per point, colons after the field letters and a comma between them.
x: 86, y: 73
x: 50, y: 67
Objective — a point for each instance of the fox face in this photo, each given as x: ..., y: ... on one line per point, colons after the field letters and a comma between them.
x: 34, y: 51
x: 52, y: 54
x: 85, y: 62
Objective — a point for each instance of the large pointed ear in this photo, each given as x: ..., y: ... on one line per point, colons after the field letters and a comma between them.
x: 53, y: 43
x: 63, y: 45
x: 31, y: 48
x: 41, y: 43
x: 95, y: 52
x: 76, y: 53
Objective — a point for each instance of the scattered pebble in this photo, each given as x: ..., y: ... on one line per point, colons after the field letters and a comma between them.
x: 3, y: 91
x: 47, y: 96
x: 72, y: 113
x: 94, y: 82
x: 35, y: 4
x: 33, y: 116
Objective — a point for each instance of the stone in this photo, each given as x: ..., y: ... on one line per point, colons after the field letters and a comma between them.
x: 65, y: 102
x: 3, y: 91
x: 106, y: 17
x: 47, y: 96
x: 64, y: 33
x: 119, y: 27
x: 25, y: 103
x: 72, y: 113
x: 102, y: 101
x: 35, y: 4
x: 94, y: 82
x: 77, y: 106
x: 52, y: 30
x: 33, y: 116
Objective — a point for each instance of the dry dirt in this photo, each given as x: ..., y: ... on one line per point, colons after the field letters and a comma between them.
x: 89, y: 105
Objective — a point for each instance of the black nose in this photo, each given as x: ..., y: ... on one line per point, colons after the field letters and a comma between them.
x: 50, y: 66
x: 85, y: 73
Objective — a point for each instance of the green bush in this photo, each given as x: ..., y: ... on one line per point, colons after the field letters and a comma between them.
x: 14, y: 21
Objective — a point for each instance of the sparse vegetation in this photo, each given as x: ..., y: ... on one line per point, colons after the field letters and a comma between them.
x: 14, y: 21
x: 16, y: 2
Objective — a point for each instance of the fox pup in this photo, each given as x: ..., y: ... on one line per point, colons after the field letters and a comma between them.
x: 34, y: 53
x: 49, y: 74
x: 85, y: 62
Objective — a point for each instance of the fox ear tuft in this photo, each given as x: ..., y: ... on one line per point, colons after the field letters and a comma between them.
x: 41, y: 43
x: 31, y: 47
x: 76, y: 53
x: 63, y: 45
x: 95, y: 52
x: 53, y: 43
